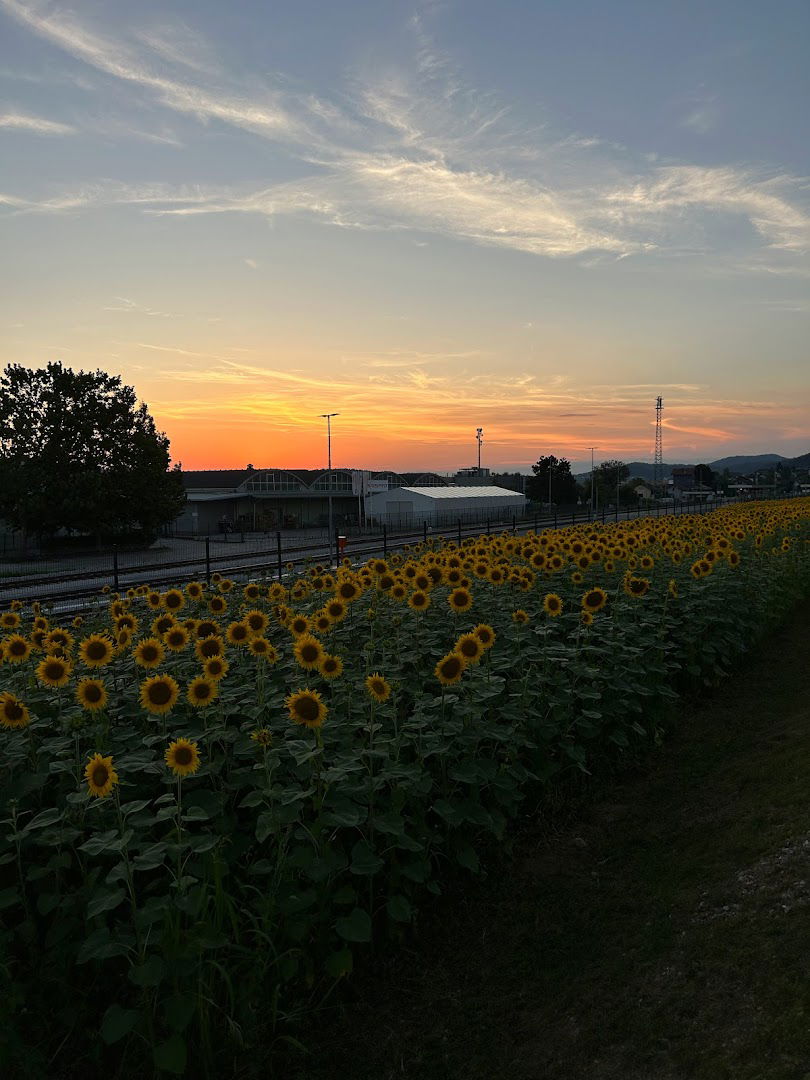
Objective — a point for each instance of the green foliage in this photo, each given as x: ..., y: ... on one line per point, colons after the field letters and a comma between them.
x: 78, y: 453
x: 194, y: 919
x: 563, y: 486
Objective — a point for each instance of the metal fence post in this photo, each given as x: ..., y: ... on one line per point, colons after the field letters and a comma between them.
x: 487, y: 526
x: 278, y: 552
x: 208, y: 558
x: 424, y: 532
x: 337, y: 546
x: 115, y: 567
x: 385, y: 541
x: 459, y: 532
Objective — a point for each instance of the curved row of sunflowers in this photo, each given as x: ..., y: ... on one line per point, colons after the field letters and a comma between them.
x: 344, y: 733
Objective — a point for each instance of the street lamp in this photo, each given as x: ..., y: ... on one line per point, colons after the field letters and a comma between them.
x: 479, y: 434
x: 593, y: 479
x: 328, y: 418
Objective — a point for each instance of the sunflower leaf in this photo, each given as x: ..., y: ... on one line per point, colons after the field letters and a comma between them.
x: 117, y: 1023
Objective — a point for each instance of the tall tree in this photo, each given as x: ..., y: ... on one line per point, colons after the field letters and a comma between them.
x: 608, y: 478
x: 563, y: 486
x: 77, y: 452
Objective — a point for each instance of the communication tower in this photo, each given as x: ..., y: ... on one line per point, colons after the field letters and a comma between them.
x: 658, y: 460
x: 479, y: 435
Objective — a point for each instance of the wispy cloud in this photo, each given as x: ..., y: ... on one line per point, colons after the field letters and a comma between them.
x: 413, y: 147
x: 131, y: 307
x: 36, y: 124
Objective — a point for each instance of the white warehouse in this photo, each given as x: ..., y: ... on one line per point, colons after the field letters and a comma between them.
x: 405, y: 506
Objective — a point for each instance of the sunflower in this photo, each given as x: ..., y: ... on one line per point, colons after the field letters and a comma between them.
x: 216, y: 667
x: 13, y: 714
x: 54, y: 671
x: 195, y: 590
x: 58, y: 639
x: 672, y: 589
x: 182, y: 757
x: 163, y: 623
x: 470, y: 647
x: 159, y: 693
x: 647, y: 562
x: 460, y: 600
x: 636, y: 586
x: 594, y: 599
x: 299, y: 624
x: 9, y: 620
x: 149, y: 652
x: 16, y: 649
x: 207, y: 647
x: 122, y: 640
x: 77, y: 622
x: 91, y: 694
x: 450, y: 668
x: 553, y: 605
x: 733, y: 559
x: 348, y: 591
x: 321, y: 622
x: 485, y: 634
x: 308, y: 652
x: 154, y: 600
x: 307, y: 708
x: 225, y: 585
x: 238, y: 633
x: 201, y: 691
x: 256, y: 621
x: 251, y: 591
x: 217, y: 605
x: 577, y: 578
x: 336, y: 610
x: 262, y: 737
x: 263, y: 649
x: 100, y: 775
x: 176, y: 638
x: 586, y: 618
x: 173, y: 600
x: 419, y: 600
x: 331, y: 667
x: 207, y: 628
x: 125, y: 622
x: 378, y: 687
x: 520, y: 616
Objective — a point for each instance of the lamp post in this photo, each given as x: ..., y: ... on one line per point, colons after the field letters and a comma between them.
x: 593, y: 479
x: 479, y: 435
x: 328, y: 418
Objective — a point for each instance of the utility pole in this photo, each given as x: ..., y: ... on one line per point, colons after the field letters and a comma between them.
x: 658, y: 461
x: 328, y: 418
x: 479, y: 435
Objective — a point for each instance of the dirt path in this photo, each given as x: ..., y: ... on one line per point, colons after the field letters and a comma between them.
x: 663, y: 936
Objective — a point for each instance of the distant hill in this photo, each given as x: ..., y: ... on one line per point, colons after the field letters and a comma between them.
x: 740, y: 463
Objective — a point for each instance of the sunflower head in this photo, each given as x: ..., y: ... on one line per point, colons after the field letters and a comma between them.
x: 176, y: 638
x: 238, y: 633
x: 450, y: 668
x: 256, y: 621
x: 460, y: 600
x: 149, y: 652
x: 207, y: 647
x: 594, y: 599
x: 201, y: 691
x: 307, y: 708
x: 159, y: 694
x: 485, y: 634
x: 520, y: 616
x: 378, y: 688
x: 263, y: 649
x: 262, y: 737
x: 182, y: 757
x: 419, y: 600
x: 331, y: 667
x: 216, y: 667
x: 553, y: 605
x: 308, y: 652
x: 470, y: 647
x: 16, y: 649
x: 91, y: 694
x: 100, y: 775
x: 13, y: 714
x: 173, y: 600
x: 54, y: 671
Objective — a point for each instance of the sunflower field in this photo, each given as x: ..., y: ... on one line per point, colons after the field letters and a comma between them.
x: 213, y: 797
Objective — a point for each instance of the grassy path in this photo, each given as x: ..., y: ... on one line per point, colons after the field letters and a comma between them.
x: 665, y: 934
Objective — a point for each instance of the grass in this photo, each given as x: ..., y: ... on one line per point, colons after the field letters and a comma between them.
x: 661, y: 932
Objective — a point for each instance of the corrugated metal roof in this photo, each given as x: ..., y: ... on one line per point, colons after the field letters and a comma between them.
x: 477, y: 492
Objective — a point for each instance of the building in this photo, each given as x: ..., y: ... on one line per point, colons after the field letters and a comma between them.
x: 402, y: 507
x: 262, y: 500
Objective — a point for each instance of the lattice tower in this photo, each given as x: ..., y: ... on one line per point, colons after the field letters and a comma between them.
x: 658, y: 460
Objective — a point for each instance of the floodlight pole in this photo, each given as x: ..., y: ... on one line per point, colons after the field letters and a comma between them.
x: 328, y: 418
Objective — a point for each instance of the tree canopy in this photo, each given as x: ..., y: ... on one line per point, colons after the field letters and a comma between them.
x: 77, y: 452
x: 558, y: 470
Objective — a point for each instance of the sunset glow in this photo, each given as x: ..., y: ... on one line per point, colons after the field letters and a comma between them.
x: 420, y: 217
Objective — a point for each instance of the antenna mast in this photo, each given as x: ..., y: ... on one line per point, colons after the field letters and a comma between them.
x: 658, y: 461
x: 479, y: 435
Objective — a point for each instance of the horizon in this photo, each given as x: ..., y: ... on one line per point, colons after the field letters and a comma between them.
x: 427, y: 218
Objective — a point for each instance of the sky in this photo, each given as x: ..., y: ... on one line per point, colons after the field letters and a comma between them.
x: 426, y: 216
